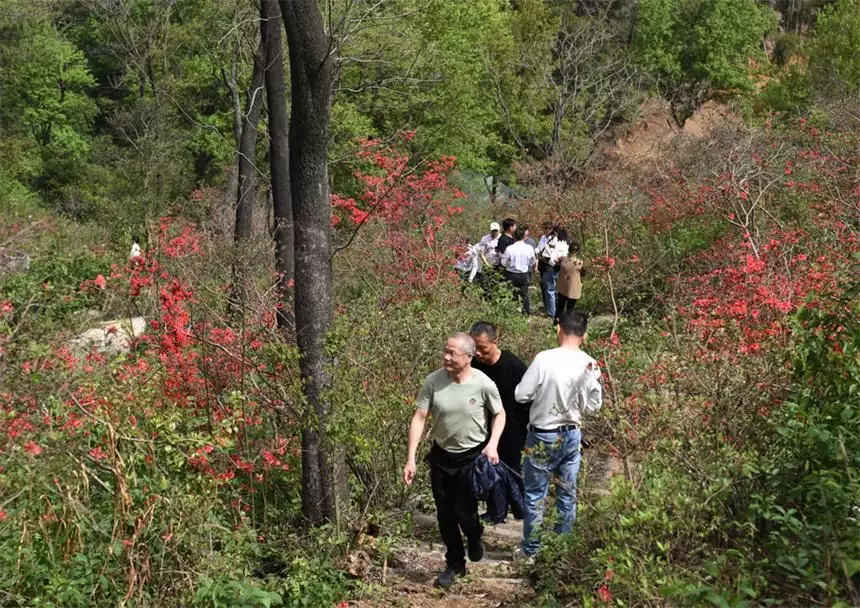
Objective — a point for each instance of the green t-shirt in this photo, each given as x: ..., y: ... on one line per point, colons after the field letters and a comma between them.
x: 460, y: 412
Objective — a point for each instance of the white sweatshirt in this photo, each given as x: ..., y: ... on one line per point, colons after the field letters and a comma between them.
x: 562, y: 384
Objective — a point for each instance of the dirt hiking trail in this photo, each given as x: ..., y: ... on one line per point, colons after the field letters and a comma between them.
x: 496, y: 582
x: 493, y: 582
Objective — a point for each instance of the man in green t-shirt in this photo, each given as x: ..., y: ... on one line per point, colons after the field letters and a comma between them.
x: 462, y: 401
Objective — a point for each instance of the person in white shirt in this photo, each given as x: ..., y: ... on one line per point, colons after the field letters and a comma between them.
x: 135, y: 249
x: 548, y: 231
x: 562, y: 384
x: 558, y: 247
x: 518, y: 260
x: 470, y: 263
x: 551, y: 251
x: 545, y: 273
x: 489, y: 243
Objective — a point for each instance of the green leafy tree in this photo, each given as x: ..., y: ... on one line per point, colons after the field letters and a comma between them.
x: 46, y: 114
x: 169, y: 75
x: 834, y: 53
x: 522, y: 69
x: 564, y: 78
x: 692, y: 47
x: 458, y: 113
x: 424, y: 66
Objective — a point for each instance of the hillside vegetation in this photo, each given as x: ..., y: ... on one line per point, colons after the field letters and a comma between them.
x: 704, y: 154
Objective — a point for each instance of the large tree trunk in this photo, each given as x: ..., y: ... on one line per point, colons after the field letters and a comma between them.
x: 279, y: 160
x: 312, y: 74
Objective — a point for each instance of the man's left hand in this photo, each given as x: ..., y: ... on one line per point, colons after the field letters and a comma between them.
x: 492, y: 454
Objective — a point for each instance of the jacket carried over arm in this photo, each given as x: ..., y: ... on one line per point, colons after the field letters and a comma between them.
x: 499, y: 485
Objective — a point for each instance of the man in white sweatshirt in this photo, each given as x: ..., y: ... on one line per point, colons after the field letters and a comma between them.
x: 562, y: 383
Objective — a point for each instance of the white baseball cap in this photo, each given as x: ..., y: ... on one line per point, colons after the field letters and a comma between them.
x: 495, y: 226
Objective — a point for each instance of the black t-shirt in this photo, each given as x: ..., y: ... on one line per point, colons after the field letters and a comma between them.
x: 504, y: 241
x: 507, y: 373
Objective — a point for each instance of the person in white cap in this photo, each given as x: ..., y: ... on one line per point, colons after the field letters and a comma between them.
x: 489, y: 243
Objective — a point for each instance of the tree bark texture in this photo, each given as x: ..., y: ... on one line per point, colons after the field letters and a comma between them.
x: 247, y: 186
x: 248, y: 151
x: 312, y: 74
x: 279, y: 160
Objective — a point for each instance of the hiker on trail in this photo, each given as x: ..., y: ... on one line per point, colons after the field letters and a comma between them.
x: 547, y: 232
x: 489, y: 243
x: 490, y: 259
x: 462, y: 401
x: 568, y: 288
x: 509, y: 227
x: 518, y: 260
x: 135, y: 248
x: 469, y: 264
x: 551, y: 250
x: 506, y: 370
x: 562, y: 384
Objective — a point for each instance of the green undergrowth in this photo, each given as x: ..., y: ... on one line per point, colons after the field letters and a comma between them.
x: 711, y: 523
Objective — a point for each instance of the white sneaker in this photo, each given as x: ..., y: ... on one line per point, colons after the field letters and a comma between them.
x: 521, y: 557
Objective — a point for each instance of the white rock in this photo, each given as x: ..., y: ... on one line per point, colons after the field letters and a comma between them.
x: 13, y: 262
x: 109, y: 338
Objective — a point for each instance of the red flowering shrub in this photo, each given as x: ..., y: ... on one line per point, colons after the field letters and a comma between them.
x: 133, y: 455
x: 396, y: 225
x: 168, y: 470
x: 732, y: 249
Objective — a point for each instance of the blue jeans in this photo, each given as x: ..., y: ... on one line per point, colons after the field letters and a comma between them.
x: 548, y: 455
x: 547, y: 289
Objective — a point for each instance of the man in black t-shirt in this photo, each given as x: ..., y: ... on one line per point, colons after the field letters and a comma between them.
x: 509, y: 226
x: 506, y: 370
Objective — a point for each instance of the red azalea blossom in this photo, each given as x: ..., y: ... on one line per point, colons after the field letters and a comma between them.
x: 604, y: 594
x: 410, y: 208
x: 33, y: 448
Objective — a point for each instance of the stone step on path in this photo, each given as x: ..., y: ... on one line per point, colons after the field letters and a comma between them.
x: 494, y: 582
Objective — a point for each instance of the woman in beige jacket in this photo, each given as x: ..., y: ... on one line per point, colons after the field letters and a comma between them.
x: 568, y: 288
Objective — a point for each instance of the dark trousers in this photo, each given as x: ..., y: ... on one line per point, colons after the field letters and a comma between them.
x: 563, y: 304
x: 511, y: 446
x: 456, y: 506
x: 520, y: 282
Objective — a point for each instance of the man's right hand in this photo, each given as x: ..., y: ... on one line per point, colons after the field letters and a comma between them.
x: 409, y: 472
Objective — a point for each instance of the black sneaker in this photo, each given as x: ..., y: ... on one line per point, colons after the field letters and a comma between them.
x: 447, y: 576
x: 486, y: 518
x: 476, y: 550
